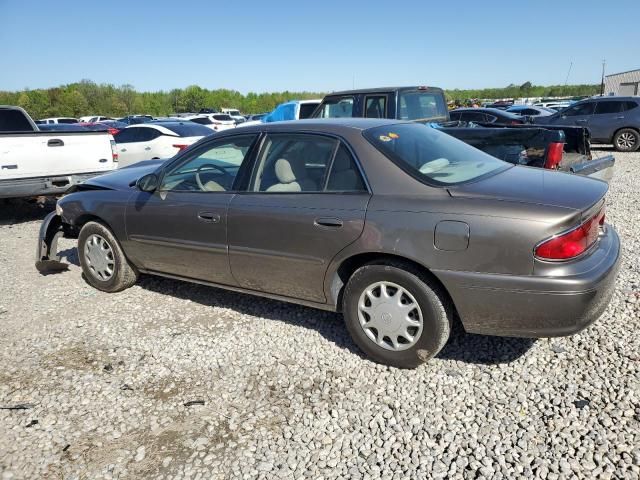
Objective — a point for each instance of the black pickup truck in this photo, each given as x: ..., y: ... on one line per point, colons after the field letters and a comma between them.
x: 561, y: 148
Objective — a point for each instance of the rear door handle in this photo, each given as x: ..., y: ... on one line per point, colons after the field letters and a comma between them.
x: 147, y: 148
x: 621, y: 117
x: 581, y: 120
x: 330, y: 222
x: 209, y: 217
x: 55, y: 142
x: 123, y: 150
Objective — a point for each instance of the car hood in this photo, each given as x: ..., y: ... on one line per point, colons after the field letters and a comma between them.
x: 122, y: 178
x: 536, y: 186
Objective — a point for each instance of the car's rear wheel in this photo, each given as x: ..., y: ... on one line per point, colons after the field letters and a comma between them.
x: 103, y: 262
x: 395, y: 314
x: 626, y: 140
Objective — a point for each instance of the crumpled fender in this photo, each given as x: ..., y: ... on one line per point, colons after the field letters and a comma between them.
x: 47, y: 259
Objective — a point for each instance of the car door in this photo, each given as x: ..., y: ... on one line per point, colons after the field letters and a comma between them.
x: 127, y: 146
x: 607, y: 118
x: 578, y: 115
x: 306, y: 201
x: 180, y: 229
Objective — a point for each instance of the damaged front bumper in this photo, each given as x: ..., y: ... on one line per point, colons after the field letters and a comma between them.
x: 47, y: 259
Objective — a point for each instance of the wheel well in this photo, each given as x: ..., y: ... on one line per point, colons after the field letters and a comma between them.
x: 624, y: 128
x: 351, y: 264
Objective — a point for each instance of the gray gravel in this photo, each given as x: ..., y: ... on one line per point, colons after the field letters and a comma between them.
x: 171, y: 380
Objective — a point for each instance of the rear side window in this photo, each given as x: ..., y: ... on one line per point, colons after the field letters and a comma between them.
x: 431, y: 156
x: 629, y: 106
x: 202, y: 121
x: 293, y: 163
x: 186, y: 130
x: 608, y: 107
x: 127, y: 135
x: 456, y: 116
x: 146, y: 134
x: 339, y: 107
x: 375, y: 106
x: 14, y: 121
x: 306, y: 109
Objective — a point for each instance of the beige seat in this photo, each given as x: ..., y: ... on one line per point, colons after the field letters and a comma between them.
x: 292, y: 176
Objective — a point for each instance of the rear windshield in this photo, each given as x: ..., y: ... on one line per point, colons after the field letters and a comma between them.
x: 432, y: 156
x: 202, y: 120
x: 223, y: 118
x: 421, y: 105
x: 186, y: 130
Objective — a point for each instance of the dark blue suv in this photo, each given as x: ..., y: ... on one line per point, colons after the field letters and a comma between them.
x: 609, y: 120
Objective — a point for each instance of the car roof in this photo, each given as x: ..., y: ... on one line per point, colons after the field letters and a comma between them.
x: 481, y: 109
x: 382, y: 90
x: 317, y: 125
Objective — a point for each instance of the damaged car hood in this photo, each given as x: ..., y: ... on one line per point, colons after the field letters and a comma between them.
x: 122, y: 178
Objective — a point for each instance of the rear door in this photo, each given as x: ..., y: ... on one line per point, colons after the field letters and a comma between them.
x: 306, y: 200
x: 607, y: 118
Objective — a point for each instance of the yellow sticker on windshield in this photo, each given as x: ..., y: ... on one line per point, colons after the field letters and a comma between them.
x: 384, y: 138
x: 394, y: 135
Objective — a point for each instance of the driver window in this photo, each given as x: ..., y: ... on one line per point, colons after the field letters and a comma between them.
x: 210, y: 169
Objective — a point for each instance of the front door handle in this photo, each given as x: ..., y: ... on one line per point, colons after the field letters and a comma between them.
x: 123, y: 150
x: 55, y: 142
x: 330, y: 222
x: 621, y: 117
x: 209, y: 217
x: 582, y: 120
x: 147, y: 148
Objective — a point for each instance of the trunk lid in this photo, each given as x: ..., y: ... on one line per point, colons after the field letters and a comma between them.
x: 536, y: 186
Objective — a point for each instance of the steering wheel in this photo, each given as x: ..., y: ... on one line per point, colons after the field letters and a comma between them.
x: 211, y: 165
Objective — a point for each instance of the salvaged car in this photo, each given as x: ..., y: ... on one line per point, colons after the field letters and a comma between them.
x: 402, y: 228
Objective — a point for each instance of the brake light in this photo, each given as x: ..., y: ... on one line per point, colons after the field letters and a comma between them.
x: 112, y: 131
x: 554, y: 155
x: 516, y: 122
x: 572, y: 243
x: 114, y: 153
x: 179, y: 146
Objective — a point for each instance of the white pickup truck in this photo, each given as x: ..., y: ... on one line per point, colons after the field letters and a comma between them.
x: 34, y: 162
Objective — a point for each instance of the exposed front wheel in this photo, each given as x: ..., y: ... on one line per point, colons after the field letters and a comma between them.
x: 626, y: 140
x: 396, y: 316
x: 103, y: 263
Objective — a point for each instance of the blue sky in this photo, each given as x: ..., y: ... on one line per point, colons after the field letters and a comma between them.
x: 326, y: 45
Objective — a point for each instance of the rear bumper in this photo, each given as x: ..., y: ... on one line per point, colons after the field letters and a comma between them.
x: 536, y: 306
x: 36, y: 186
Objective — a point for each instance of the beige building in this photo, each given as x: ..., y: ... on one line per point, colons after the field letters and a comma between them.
x: 624, y: 83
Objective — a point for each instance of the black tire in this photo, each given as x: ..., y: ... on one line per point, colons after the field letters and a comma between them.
x: 124, y: 274
x: 626, y: 140
x: 437, y: 314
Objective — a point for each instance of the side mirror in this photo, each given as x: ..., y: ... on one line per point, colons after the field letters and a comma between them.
x: 148, y: 183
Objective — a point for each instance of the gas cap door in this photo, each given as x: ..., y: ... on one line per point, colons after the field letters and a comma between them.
x: 451, y: 236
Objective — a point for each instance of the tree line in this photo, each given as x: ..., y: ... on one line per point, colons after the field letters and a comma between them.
x: 89, y: 98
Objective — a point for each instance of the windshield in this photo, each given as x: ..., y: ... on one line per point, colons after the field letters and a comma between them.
x: 421, y: 105
x: 432, y: 156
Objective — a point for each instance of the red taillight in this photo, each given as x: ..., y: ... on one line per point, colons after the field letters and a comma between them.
x: 180, y: 146
x: 114, y: 153
x: 554, y: 155
x: 572, y: 243
x: 516, y: 122
x: 113, y: 131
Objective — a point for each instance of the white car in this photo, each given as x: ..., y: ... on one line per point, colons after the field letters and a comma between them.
x: 47, y: 121
x: 93, y: 119
x: 215, y: 121
x: 154, y: 140
x: 234, y: 113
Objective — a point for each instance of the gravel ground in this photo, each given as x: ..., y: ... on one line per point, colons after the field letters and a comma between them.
x: 172, y: 380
